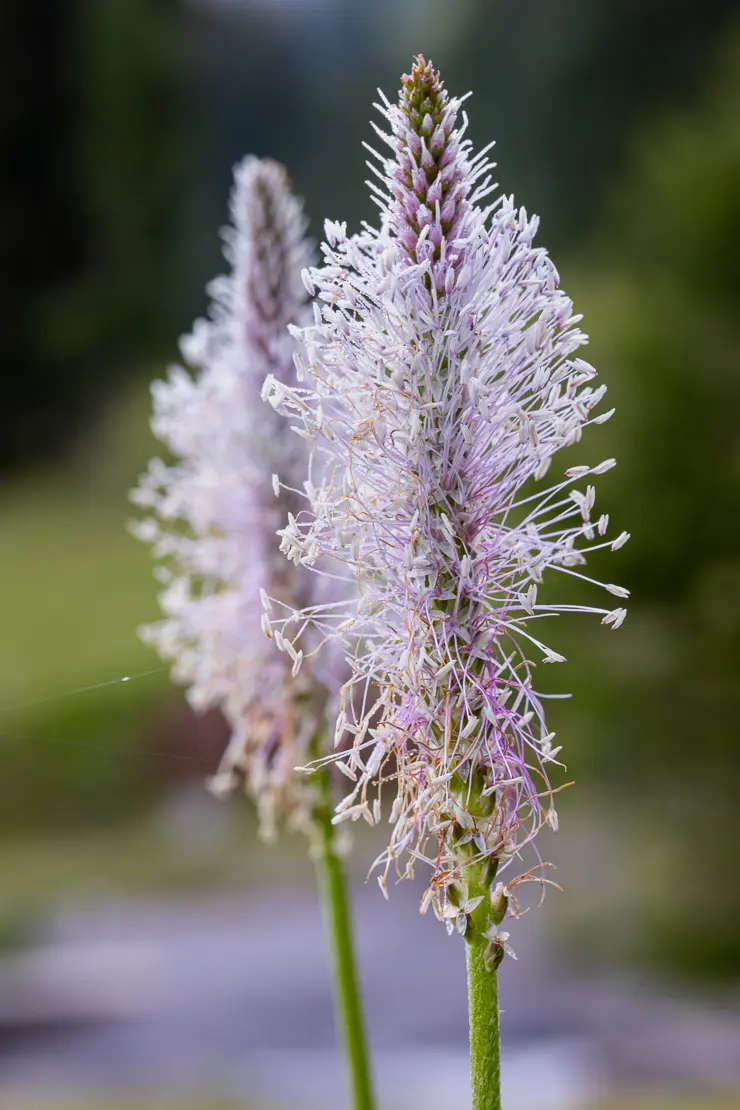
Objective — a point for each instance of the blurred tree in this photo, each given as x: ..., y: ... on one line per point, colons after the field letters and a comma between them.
x: 563, y: 87
x: 94, y: 182
x: 664, y: 308
x: 92, y: 137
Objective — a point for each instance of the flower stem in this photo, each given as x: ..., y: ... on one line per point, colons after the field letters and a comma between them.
x: 485, y: 1062
x: 337, y: 916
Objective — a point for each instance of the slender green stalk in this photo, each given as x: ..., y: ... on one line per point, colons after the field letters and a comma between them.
x: 482, y: 953
x: 336, y: 911
x: 485, y: 1060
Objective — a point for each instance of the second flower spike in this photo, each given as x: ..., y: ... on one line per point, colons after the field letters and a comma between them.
x: 216, y: 513
x: 238, y: 475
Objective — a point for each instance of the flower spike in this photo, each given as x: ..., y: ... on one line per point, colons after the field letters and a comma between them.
x: 215, y: 510
x: 439, y: 380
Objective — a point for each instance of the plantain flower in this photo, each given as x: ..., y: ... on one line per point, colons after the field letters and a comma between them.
x: 215, y: 513
x: 439, y: 379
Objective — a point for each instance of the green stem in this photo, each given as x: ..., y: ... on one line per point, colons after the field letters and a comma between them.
x: 485, y: 1061
x: 336, y: 912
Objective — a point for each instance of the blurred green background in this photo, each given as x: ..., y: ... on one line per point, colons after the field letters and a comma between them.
x: 616, y: 121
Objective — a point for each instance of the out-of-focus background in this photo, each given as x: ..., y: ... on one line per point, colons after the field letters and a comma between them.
x: 152, y: 952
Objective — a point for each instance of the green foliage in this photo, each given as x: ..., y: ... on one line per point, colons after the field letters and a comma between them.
x: 662, y: 301
x: 565, y: 102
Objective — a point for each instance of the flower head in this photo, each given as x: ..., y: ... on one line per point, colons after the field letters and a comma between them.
x: 216, y: 513
x: 439, y: 379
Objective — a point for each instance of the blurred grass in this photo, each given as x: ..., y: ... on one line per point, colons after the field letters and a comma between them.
x: 74, y: 587
x: 143, y: 855
x: 133, y: 858
x: 138, y: 858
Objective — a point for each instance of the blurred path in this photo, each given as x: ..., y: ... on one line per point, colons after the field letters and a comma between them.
x: 234, y: 996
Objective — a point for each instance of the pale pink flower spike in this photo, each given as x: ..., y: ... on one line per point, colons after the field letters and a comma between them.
x: 438, y: 380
